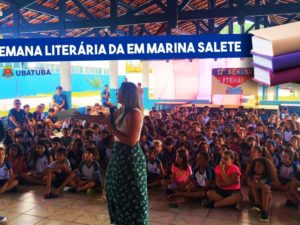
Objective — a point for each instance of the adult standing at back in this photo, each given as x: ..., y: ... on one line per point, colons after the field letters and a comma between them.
x: 141, y: 94
x: 59, y: 101
x: 126, y: 176
x: 105, y: 96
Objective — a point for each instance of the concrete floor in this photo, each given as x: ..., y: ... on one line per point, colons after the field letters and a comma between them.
x: 28, y: 207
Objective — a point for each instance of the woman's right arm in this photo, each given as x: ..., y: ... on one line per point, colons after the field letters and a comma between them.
x: 92, y: 118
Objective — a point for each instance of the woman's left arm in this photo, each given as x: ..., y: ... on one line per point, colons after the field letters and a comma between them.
x: 133, y: 123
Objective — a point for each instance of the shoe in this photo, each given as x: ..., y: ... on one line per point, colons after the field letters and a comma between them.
x: 72, y: 190
x: 238, y: 206
x: 3, y: 219
x: 169, y: 191
x: 50, y: 195
x: 256, y: 208
x: 66, y: 189
x: 174, y: 205
x: 208, y: 204
x: 290, y: 204
x: 90, y: 191
x: 264, y: 216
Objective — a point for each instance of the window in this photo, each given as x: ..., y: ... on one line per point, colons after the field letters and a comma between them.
x: 106, y: 71
x: 76, y: 69
x: 16, y: 65
x: 90, y: 70
x: 289, y: 92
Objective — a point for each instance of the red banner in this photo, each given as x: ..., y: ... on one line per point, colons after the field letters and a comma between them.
x: 233, y: 77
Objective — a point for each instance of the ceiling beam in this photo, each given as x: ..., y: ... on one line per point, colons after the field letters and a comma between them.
x: 83, y: 9
x: 172, y: 11
x: 139, y: 8
x: 261, y: 10
x: 21, y: 5
x: 113, y: 15
x: 49, y: 11
x: 183, y: 4
x: 161, y: 5
x: 62, y: 18
x: 31, y: 4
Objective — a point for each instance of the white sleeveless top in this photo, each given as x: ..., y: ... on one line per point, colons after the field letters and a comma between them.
x: 121, y: 126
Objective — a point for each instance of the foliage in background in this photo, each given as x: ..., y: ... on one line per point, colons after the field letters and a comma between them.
x: 94, y: 82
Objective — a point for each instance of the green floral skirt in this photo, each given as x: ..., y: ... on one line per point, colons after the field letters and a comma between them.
x: 126, y: 186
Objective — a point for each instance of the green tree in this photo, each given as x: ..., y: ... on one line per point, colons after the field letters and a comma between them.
x: 94, y: 82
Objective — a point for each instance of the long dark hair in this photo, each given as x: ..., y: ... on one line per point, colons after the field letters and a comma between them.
x: 269, y: 168
x: 131, y: 98
x: 182, y: 154
x: 149, y: 125
x: 19, y: 153
x: 35, y: 156
x: 263, y: 152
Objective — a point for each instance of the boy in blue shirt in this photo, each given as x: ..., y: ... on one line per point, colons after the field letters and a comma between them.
x: 16, y: 116
x: 59, y: 100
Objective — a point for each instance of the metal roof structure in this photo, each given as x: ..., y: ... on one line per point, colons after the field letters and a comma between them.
x: 89, y: 18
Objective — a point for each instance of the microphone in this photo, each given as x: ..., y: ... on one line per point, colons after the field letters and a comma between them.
x: 112, y: 114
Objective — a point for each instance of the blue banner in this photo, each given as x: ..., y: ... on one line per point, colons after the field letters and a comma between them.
x: 129, y: 47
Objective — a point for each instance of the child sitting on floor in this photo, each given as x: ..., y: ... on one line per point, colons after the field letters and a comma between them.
x: 39, y: 162
x: 168, y: 156
x: 285, y: 170
x: 87, y: 177
x: 154, y: 168
x: 7, y: 178
x: 228, y: 184
x: 159, y: 147
x: 57, y: 173
x: 261, y: 175
x: 293, y: 193
x: 16, y: 160
x: 181, y: 173
x: 74, y: 154
x: 202, y: 180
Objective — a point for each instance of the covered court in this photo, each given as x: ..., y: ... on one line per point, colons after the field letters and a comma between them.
x: 23, y: 19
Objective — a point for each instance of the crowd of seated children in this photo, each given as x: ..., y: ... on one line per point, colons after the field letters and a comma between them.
x: 192, y: 153
x: 212, y: 155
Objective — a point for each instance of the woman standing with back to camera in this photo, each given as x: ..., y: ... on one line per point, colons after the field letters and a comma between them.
x: 126, y: 175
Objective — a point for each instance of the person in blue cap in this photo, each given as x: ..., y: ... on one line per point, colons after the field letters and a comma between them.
x: 59, y: 100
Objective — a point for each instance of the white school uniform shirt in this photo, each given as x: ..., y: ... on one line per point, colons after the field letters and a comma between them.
x: 41, y: 164
x: 4, y: 171
x: 153, y: 167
